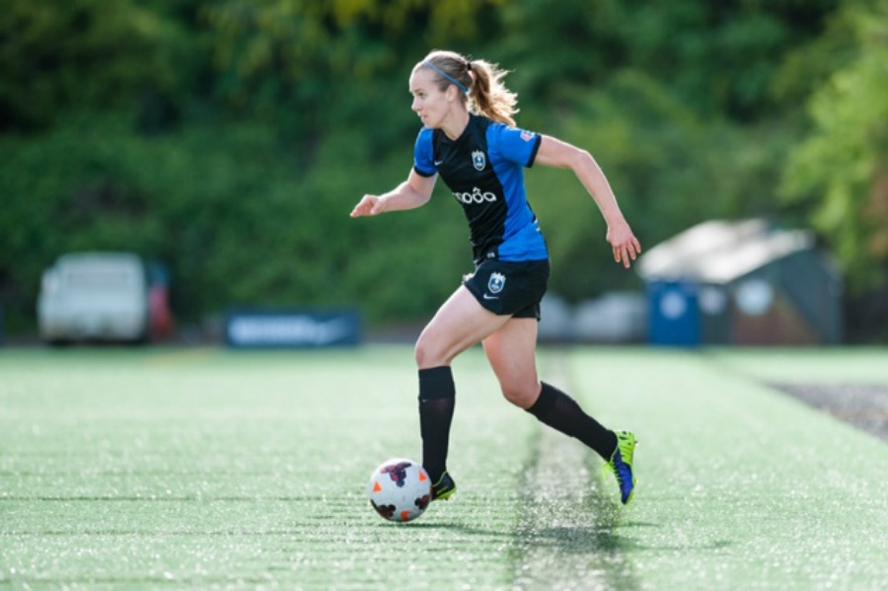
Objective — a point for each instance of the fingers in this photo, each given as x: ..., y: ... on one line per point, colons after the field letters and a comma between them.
x: 627, y: 252
x: 366, y: 206
x: 631, y: 250
x: 356, y: 212
x: 625, y: 245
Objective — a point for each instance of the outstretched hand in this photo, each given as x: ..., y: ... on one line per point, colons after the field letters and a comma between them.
x: 369, y: 205
x: 626, y: 246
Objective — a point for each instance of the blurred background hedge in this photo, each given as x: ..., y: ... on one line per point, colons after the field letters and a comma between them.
x: 230, y: 139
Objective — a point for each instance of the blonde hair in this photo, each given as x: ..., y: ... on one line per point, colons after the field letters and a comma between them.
x: 486, y: 94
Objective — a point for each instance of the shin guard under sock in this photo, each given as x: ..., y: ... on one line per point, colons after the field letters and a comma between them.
x: 437, y: 397
x: 561, y: 412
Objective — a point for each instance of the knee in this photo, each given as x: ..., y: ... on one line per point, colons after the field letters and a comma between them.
x: 521, y: 394
x: 427, y: 354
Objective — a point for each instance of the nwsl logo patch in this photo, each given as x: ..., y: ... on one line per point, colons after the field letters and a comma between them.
x: 527, y: 136
x: 479, y: 160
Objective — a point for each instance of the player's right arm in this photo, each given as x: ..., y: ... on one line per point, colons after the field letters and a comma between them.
x: 412, y: 193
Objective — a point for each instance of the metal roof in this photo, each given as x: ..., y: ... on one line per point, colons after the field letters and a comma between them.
x: 721, y: 251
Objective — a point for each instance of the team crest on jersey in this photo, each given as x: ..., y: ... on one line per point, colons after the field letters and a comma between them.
x: 497, y: 282
x: 479, y: 160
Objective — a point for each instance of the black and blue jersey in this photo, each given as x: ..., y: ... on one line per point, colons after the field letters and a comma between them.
x: 483, y: 169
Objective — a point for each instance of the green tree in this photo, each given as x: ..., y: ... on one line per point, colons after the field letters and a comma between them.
x: 841, y: 168
x: 231, y: 138
x: 63, y: 55
x: 722, y: 59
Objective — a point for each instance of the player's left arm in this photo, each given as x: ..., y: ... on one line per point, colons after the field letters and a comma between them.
x: 558, y: 154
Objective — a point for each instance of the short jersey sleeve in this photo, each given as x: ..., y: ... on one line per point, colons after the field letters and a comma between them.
x: 423, y: 154
x: 514, y: 144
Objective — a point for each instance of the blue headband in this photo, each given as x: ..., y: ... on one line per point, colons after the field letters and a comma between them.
x: 453, y: 81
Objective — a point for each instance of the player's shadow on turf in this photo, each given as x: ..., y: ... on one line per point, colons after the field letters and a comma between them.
x: 580, y: 540
x: 575, y: 540
x: 458, y: 527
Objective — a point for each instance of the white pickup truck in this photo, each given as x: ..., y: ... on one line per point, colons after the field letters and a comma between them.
x: 94, y: 296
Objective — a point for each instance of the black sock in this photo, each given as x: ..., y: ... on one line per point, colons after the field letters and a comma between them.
x: 437, y: 397
x: 561, y: 412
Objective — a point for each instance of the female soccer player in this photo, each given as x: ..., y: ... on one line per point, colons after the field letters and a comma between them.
x: 470, y: 139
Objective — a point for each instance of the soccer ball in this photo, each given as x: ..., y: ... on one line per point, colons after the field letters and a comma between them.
x: 400, y: 490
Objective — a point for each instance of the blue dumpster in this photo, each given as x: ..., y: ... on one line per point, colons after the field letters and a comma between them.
x: 674, y: 313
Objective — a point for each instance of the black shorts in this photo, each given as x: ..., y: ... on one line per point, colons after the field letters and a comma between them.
x: 509, y: 289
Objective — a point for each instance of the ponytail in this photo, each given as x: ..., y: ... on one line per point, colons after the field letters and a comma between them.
x: 489, y: 96
x: 480, y: 84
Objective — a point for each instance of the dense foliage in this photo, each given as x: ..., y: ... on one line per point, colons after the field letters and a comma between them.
x: 230, y: 139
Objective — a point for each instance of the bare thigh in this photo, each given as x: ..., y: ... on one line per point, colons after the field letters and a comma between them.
x: 459, y: 323
x: 511, y: 351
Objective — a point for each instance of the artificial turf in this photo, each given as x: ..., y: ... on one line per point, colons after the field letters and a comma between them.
x: 207, y: 468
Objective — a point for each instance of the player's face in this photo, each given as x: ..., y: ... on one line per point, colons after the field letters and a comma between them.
x: 431, y: 104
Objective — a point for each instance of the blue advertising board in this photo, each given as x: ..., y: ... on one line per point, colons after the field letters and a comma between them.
x: 278, y: 329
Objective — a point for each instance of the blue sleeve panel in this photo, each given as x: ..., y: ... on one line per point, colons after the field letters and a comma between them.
x: 423, y: 153
x: 514, y: 144
x: 510, y: 149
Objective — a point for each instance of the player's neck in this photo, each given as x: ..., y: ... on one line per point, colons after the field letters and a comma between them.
x: 455, y: 124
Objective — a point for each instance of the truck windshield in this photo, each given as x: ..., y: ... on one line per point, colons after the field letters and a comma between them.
x: 99, y: 278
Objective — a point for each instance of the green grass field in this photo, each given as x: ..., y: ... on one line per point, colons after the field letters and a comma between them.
x: 206, y: 468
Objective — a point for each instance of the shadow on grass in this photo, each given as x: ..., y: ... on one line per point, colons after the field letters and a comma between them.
x: 571, y: 540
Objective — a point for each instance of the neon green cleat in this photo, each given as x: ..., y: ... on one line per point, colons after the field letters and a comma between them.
x: 444, y: 488
x: 620, y: 464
